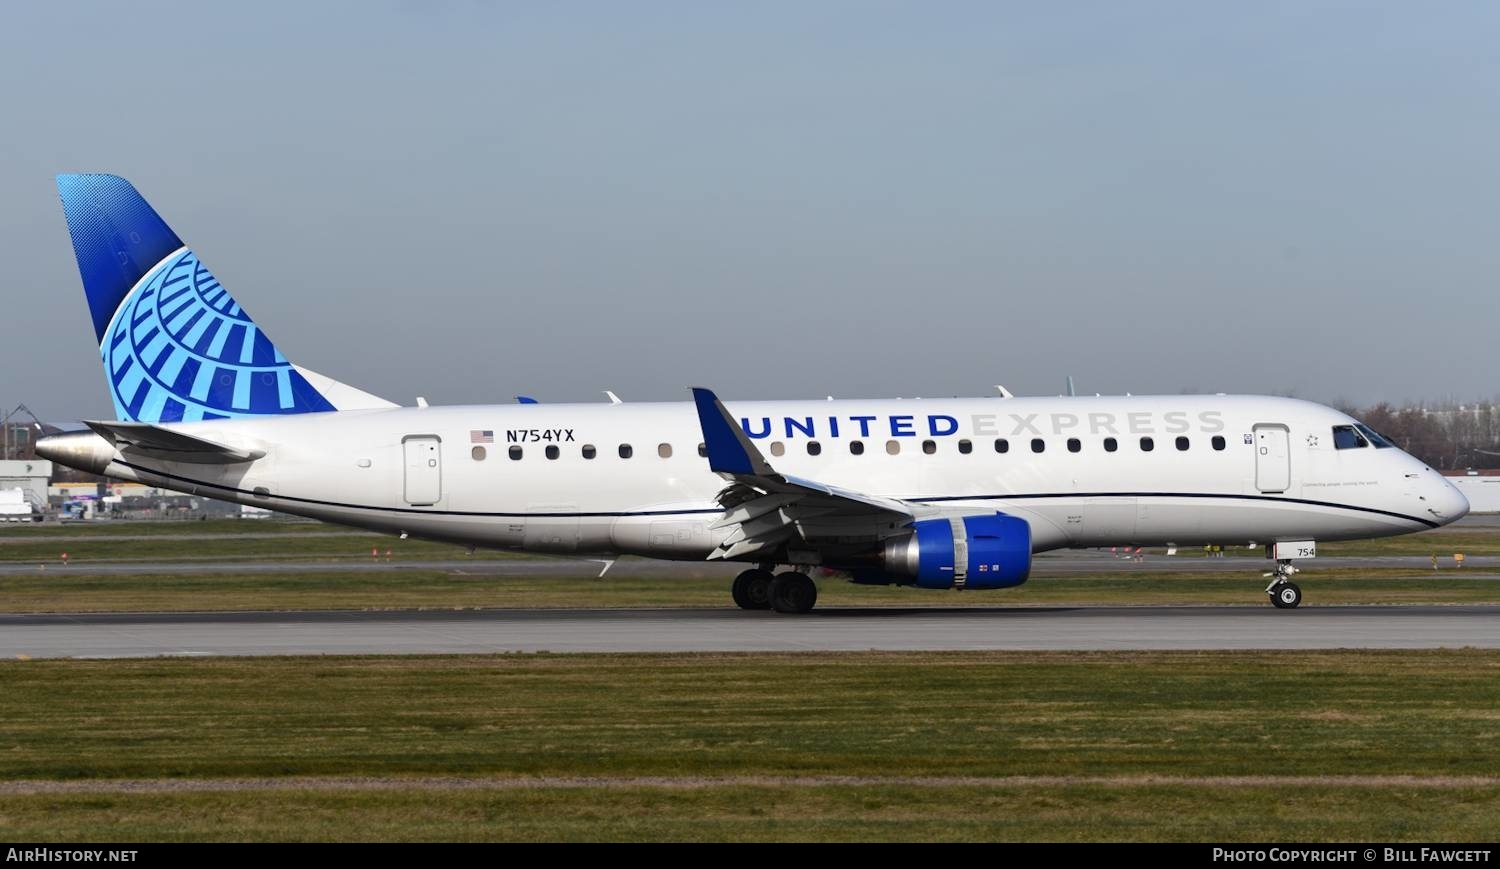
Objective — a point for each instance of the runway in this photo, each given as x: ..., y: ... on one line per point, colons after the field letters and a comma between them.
x: 131, y: 635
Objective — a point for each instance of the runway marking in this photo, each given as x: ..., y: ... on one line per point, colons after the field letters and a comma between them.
x: 453, y: 783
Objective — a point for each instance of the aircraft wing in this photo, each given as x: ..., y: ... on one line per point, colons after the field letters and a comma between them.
x: 765, y: 508
x: 168, y: 445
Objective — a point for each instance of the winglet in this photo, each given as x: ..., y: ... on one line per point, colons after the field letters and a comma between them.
x: 729, y: 448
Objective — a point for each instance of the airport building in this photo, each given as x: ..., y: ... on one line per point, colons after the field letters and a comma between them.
x: 24, y: 483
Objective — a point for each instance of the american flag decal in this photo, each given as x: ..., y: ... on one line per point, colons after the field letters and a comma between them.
x: 485, y: 436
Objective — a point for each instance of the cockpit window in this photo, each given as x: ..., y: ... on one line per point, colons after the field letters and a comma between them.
x: 1379, y: 440
x: 1345, y: 437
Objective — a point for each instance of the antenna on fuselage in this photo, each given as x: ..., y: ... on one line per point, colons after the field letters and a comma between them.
x: 613, y: 399
x: 1004, y: 393
x: 1071, y: 393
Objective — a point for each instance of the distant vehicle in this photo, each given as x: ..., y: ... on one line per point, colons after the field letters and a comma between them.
x: 934, y: 493
x: 15, y: 508
x: 80, y: 508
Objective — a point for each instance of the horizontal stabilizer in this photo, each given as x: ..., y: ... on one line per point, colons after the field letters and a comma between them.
x: 173, y: 446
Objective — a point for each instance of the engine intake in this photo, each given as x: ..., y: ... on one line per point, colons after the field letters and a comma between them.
x: 961, y: 552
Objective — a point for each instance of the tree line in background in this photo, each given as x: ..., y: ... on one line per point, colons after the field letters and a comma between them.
x: 1447, y: 437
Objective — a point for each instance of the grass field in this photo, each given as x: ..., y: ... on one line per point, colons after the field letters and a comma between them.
x: 1234, y: 746
x: 1208, y: 746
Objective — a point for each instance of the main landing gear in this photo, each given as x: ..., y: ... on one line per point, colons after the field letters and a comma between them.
x: 1284, y: 593
x: 790, y: 592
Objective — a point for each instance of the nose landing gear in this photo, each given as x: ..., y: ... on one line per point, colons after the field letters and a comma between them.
x: 1284, y: 593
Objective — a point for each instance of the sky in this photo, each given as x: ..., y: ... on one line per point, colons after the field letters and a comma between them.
x: 473, y: 200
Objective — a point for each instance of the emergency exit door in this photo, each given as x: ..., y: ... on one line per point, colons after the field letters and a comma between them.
x: 424, y: 469
x: 1273, y: 458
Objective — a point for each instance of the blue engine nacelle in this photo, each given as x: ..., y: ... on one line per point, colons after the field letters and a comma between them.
x: 968, y: 552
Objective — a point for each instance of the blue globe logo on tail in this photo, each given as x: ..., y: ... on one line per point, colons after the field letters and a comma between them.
x: 176, y: 346
x: 181, y: 349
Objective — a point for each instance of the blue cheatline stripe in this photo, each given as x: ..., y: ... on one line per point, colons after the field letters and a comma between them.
x: 717, y: 510
x: 1271, y: 498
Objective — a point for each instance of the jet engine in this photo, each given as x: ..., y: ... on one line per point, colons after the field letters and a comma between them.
x: 958, y: 552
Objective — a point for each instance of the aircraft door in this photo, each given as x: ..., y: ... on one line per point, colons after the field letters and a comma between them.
x: 424, y: 469
x: 1273, y: 458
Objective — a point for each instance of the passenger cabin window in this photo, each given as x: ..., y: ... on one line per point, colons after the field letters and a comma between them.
x: 893, y: 448
x: 589, y: 452
x: 1219, y: 442
x: 856, y: 448
x: 1345, y: 437
x: 966, y: 446
x: 814, y: 448
x: 1002, y: 445
x: 703, y: 451
x: 626, y: 451
x: 515, y: 454
x: 1182, y: 445
x: 929, y: 447
x: 1074, y: 445
x: 1147, y: 445
x: 1110, y: 445
x: 664, y: 450
x: 1037, y: 445
x: 477, y: 454
x: 778, y: 448
x: 553, y: 452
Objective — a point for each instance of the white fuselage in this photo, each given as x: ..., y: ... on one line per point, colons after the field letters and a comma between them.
x: 433, y: 472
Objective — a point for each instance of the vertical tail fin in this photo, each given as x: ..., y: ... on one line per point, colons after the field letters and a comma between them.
x: 176, y: 346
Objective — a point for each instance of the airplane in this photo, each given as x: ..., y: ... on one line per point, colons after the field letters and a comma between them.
x: 942, y: 494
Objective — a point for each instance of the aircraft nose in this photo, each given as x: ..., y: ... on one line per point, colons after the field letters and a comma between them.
x: 1445, y: 501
